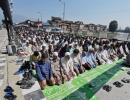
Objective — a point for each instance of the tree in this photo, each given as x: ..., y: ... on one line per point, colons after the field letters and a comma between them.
x: 113, y: 26
x: 127, y: 30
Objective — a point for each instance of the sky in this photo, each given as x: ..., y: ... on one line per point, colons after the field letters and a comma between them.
x: 88, y: 11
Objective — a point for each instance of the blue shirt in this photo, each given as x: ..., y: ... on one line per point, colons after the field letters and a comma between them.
x: 43, y: 70
x: 90, y: 58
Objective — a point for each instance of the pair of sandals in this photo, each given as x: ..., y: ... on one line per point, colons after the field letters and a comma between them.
x: 107, y: 88
x: 124, y: 80
x: 10, y: 96
x: 118, y: 84
x: 27, y: 82
x: 8, y: 89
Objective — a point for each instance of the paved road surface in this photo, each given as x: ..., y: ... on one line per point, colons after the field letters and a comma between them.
x: 3, y: 42
x: 122, y: 93
x: 12, y: 67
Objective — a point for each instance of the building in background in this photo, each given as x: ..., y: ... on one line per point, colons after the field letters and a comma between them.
x: 76, y: 27
x: 67, y: 26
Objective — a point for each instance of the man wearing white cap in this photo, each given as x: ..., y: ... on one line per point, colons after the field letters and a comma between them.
x: 91, y: 58
x: 67, y: 65
x: 105, y: 55
x: 78, y: 68
x: 56, y: 69
x: 98, y: 54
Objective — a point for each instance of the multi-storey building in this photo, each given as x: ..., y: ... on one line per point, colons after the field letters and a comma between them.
x: 74, y: 27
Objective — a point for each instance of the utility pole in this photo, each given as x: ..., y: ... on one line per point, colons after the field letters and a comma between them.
x: 64, y: 8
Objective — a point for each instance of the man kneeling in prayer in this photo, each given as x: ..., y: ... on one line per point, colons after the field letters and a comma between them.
x: 78, y: 68
x: 67, y: 65
x: 91, y: 58
x: 44, y: 71
x: 57, y: 70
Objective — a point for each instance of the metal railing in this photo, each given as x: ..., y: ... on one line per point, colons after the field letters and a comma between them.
x: 110, y: 35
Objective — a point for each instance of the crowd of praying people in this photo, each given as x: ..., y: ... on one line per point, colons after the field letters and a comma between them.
x: 59, y: 57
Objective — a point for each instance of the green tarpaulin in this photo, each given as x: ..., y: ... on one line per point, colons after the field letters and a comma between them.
x: 85, y: 85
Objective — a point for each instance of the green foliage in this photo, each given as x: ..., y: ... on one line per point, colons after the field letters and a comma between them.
x: 127, y: 30
x: 113, y: 26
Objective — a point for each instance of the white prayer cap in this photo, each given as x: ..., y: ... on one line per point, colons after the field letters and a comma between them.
x: 34, y: 40
x: 29, y: 38
x: 97, y: 46
x: 70, y: 44
x: 27, y: 41
x: 91, y: 49
x: 67, y: 54
x: 55, y: 53
x: 44, y: 45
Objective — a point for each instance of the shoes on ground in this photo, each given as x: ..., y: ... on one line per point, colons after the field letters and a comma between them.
x: 125, y: 80
x: 107, y: 88
x: 8, y: 89
x: 10, y: 96
x: 118, y: 84
x: 26, y: 84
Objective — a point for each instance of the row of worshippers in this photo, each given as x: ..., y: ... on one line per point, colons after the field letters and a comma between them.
x: 57, y: 69
x: 61, y: 57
